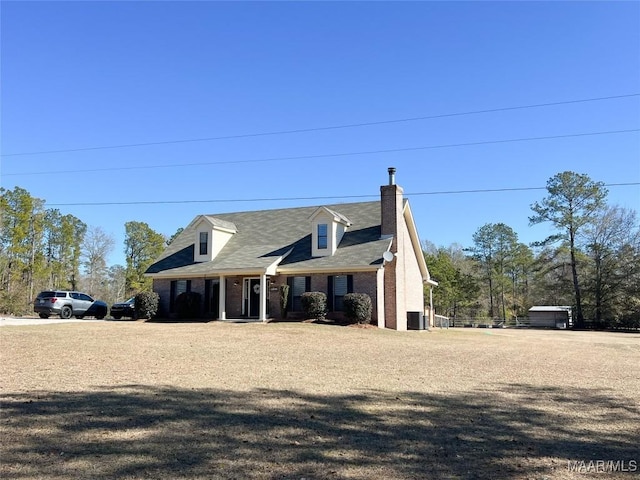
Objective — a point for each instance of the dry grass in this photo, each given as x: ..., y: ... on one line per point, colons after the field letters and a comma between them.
x: 132, y: 400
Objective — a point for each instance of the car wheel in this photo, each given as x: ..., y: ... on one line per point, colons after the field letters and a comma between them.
x: 117, y: 317
x: 43, y: 315
x: 66, y: 312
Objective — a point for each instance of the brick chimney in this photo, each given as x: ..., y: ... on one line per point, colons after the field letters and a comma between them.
x: 391, y: 213
x: 390, y: 206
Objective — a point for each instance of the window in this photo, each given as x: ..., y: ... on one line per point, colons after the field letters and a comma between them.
x: 178, y: 287
x: 297, y: 286
x: 212, y: 296
x: 322, y: 235
x: 339, y: 286
x: 339, y: 291
x: 181, y: 286
x: 204, y: 241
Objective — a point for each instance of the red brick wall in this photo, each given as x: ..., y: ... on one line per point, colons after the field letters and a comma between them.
x: 363, y: 282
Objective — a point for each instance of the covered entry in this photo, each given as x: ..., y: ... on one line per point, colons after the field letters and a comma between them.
x: 251, y: 297
x: 255, y: 297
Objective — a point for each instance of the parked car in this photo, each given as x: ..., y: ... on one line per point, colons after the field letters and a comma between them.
x: 68, y: 304
x: 124, y: 309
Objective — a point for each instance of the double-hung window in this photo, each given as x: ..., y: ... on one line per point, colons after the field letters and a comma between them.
x: 339, y: 286
x: 322, y: 236
x: 204, y: 242
x: 178, y: 287
x: 297, y: 286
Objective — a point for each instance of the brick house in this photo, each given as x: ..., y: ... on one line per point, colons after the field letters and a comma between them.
x: 238, y: 261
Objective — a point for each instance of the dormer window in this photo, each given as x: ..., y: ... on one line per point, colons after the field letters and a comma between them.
x: 204, y: 242
x: 210, y: 236
x: 327, y: 229
x: 322, y: 236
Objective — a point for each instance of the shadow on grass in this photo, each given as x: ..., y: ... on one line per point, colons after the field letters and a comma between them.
x: 515, y: 431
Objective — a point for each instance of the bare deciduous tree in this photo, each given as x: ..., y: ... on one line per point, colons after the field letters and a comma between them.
x: 96, y: 247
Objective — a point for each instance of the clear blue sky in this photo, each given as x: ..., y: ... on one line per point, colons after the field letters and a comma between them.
x: 78, y: 75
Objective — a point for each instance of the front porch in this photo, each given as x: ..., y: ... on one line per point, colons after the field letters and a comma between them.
x: 235, y: 298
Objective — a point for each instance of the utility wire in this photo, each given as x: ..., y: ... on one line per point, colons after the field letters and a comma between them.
x: 327, y: 155
x: 281, y: 199
x: 318, y: 129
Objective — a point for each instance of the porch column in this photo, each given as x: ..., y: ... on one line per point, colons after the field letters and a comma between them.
x: 222, y: 307
x: 263, y: 297
x: 431, y: 317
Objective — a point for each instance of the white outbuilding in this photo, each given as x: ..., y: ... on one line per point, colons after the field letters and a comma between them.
x: 550, y: 316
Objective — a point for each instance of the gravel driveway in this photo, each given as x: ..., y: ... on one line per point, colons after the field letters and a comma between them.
x: 13, y: 321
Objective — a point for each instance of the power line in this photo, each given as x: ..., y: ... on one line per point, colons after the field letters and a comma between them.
x: 318, y: 129
x: 328, y: 155
x: 339, y: 197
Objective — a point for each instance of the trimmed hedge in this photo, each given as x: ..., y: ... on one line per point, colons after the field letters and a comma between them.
x: 357, y: 307
x: 314, y: 304
x: 188, y: 305
x: 146, y: 304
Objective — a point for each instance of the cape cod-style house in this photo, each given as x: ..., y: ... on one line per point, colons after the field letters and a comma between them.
x: 237, y: 261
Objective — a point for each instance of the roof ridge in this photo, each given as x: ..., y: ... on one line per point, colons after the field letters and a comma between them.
x: 329, y: 206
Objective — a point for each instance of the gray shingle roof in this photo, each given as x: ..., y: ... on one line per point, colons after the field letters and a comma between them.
x: 264, y: 236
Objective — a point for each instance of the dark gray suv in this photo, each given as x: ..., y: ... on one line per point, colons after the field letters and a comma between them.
x: 68, y: 304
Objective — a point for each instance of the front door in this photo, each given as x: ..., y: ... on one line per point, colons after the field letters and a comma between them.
x: 251, y: 297
x: 254, y: 297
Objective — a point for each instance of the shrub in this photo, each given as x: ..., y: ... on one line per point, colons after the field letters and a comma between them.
x: 357, y: 307
x: 629, y: 322
x: 146, y: 304
x: 284, y: 298
x: 188, y: 305
x: 314, y: 304
x: 12, y: 304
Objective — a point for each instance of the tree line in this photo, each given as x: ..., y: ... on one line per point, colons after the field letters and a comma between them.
x: 591, y: 262
x: 41, y: 249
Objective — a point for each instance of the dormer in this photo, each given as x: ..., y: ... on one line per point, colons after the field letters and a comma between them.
x: 327, y: 230
x: 211, y: 235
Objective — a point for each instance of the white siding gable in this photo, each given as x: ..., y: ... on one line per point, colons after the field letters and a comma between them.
x: 210, y: 239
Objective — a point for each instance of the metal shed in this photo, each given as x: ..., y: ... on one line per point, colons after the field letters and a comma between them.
x: 552, y: 316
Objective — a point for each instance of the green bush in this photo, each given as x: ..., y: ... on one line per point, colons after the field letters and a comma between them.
x: 146, y: 304
x: 357, y: 307
x: 314, y: 304
x: 629, y: 322
x: 188, y: 305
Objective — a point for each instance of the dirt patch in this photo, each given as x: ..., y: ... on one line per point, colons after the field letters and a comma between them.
x: 136, y: 400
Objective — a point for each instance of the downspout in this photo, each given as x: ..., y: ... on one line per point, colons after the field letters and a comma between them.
x: 222, y: 296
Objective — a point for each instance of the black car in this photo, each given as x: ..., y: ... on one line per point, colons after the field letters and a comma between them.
x: 68, y: 304
x: 124, y: 309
